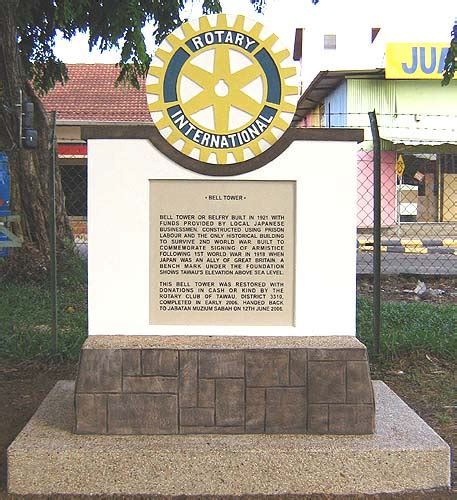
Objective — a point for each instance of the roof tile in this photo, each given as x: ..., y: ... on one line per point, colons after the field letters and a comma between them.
x: 91, y: 95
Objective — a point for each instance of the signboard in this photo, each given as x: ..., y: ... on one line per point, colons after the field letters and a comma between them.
x: 224, y: 255
x: 417, y: 61
x: 218, y: 224
x: 400, y: 166
x: 219, y: 89
x: 205, y: 257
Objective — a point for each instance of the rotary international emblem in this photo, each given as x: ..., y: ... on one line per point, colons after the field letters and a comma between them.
x: 219, y: 89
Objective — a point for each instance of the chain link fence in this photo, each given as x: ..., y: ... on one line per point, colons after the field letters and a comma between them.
x: 418, y: 186
x: 74, y: 185
x: 72, y: 160
x: 418, y: 207
x: 418, y: 212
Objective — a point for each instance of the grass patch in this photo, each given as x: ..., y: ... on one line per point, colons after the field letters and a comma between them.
x: 25, y: 306
x: 25, y: 321
x: 408, y: 327
x: 25, y: 315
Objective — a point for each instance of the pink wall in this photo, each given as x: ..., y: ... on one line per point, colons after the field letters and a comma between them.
x: 365, y: 189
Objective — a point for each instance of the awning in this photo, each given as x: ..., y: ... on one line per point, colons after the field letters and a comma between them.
x: 78, y: 150
x: 324, y: 83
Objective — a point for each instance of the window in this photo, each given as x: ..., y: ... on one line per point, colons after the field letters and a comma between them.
x: 374, y: 33
x: 74, y: 185
x: 329, y: 42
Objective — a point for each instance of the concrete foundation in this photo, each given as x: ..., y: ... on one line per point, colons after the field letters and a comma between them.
x: 404, y: 455
x: 223, y: 385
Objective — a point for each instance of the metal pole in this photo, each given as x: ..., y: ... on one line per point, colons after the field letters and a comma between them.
x: 439, y: 192
x: 376, y: 232
x: 52, y: 236
x: 399, y: 194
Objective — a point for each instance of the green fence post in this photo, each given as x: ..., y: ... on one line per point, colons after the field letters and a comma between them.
x: 376, y: 232
x: 52, y: 236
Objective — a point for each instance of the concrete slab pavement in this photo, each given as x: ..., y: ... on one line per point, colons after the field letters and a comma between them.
x: 404, y: 456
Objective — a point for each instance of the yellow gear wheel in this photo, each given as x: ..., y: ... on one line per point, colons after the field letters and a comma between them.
x: 219, y: 89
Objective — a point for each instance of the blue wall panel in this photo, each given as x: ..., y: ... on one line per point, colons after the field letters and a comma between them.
x: 336, y: 107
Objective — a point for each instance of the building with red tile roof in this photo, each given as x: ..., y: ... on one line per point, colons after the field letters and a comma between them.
x: 91, y: 96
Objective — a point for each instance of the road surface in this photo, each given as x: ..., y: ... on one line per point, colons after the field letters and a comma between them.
x: 410, y: 263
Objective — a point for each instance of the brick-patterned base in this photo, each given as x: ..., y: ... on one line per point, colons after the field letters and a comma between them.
x: 236, y: 385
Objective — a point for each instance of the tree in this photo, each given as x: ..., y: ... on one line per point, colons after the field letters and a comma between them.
x: 29, y: 170
x: 451, y: 58
x: 27, y: 34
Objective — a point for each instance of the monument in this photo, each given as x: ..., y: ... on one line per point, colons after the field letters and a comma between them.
x: 221, y: 321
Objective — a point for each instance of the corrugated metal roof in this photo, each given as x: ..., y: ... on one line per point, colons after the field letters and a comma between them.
x: 324, y: 83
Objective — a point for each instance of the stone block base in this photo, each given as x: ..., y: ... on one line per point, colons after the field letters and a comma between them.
x: 404, y: 459
x: 224, y: 385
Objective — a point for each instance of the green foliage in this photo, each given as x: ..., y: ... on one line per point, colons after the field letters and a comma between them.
x: 113, y: 24
x: 28, y: 265
x: 109, y: 24
x: 451, y: 58
x: 450, y: 64
x: 24, y: 265
x: 72, y: 268
x: 25, y: 331
x: 25, y: 309
x: 408, y: 327
x: 25, y: 313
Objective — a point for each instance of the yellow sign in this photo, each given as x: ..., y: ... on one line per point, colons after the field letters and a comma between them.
x: 219, y: 91
x: 400, y: 166
x: 417, y: 61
